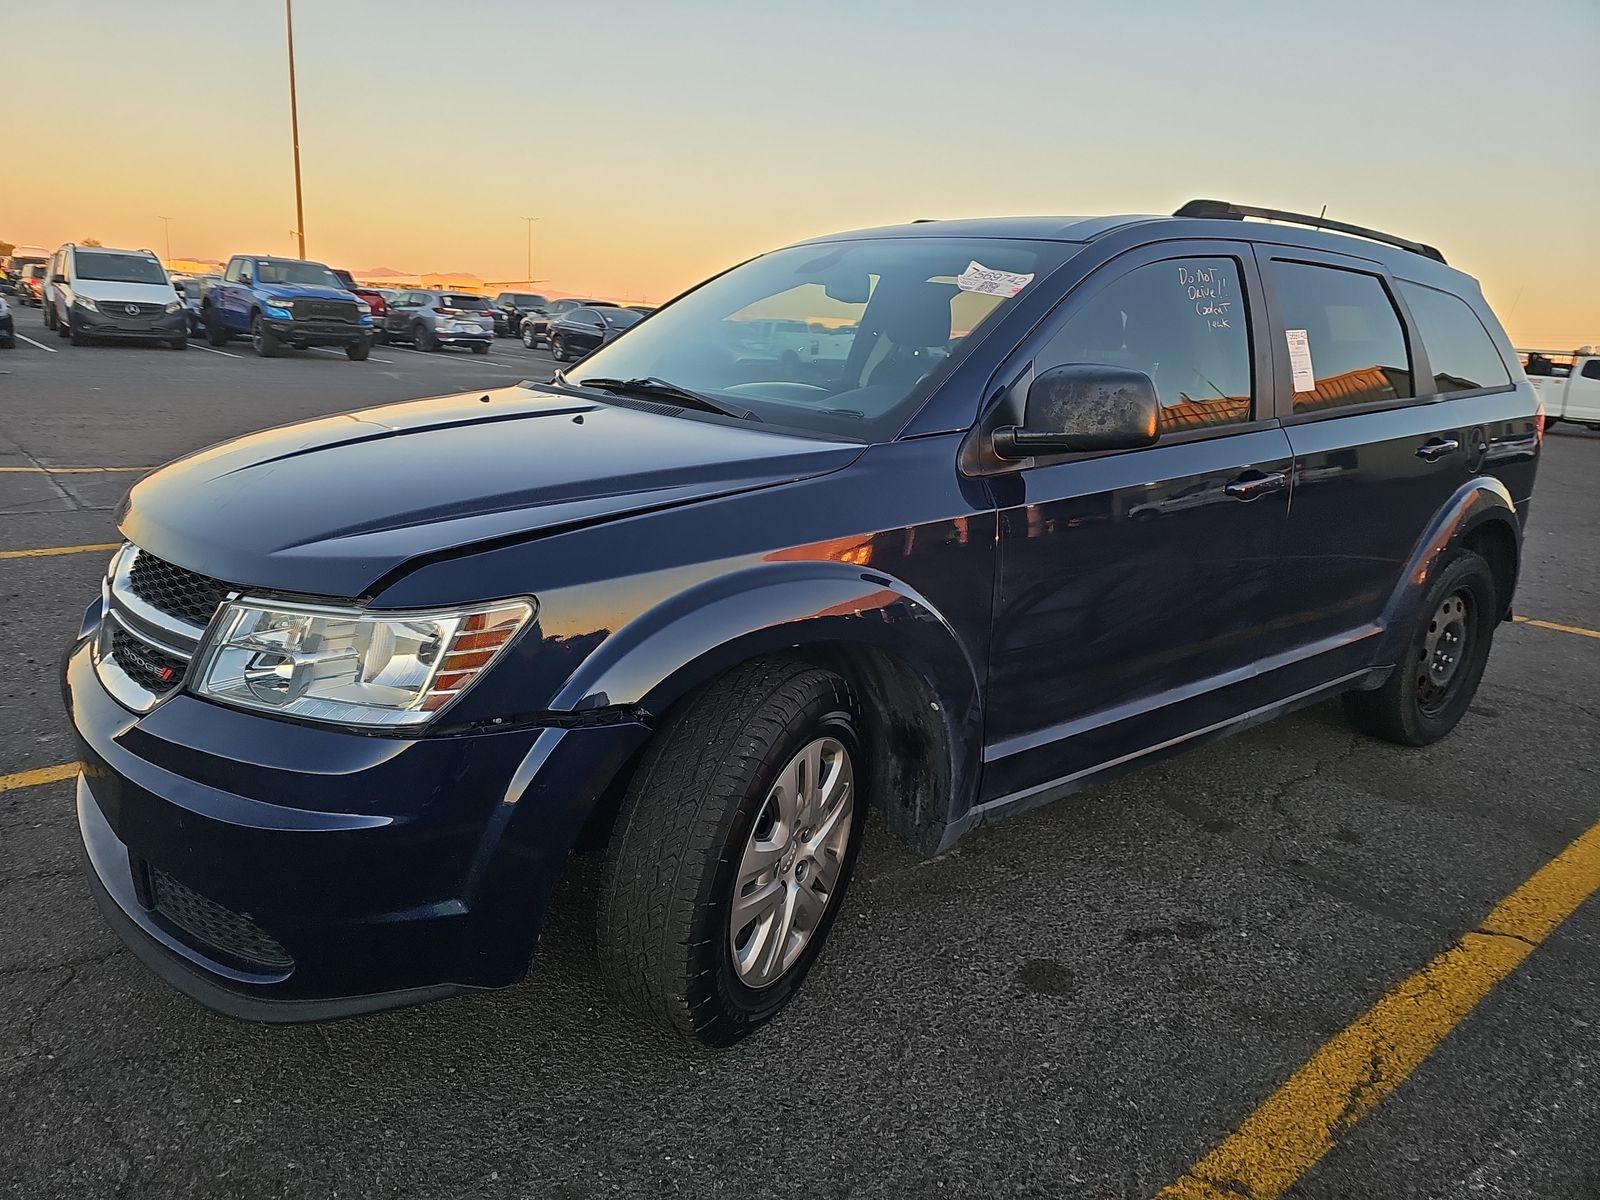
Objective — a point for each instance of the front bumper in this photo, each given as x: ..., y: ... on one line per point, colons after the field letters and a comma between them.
x: 283, y: 872
x: 317, y: 333
x: 111, y: 324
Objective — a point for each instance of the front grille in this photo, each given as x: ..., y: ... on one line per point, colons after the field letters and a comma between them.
x: 323, y: 310
x: 153, y: 670
x: 219, y: 932
x: 176, y: 591
x: 128, y: 308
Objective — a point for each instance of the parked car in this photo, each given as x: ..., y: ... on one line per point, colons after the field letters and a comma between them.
x: 536, y: 325
x: 97, y: 292
x: 430, y: 320
x: 1567, y: 382
x: 8, y: 326
x: 278, y: 302
x: 511, y: 307
x: 354, y: 688
x: 375, y: 298
x: 188, y: 289
x: 32, y: 284
x: 584, y: 330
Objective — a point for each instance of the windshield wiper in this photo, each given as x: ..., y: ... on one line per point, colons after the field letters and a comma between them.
x: 650, y: 385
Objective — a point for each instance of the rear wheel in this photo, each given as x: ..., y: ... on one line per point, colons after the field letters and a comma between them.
x: 262, y: 340
x: 736, y: 842
x: 1438, y: 673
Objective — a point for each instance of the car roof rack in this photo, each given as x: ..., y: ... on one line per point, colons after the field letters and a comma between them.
x: 1223, y: 210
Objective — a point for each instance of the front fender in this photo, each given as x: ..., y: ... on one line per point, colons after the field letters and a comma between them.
x: 704, y: 630
x: 1480, y: 501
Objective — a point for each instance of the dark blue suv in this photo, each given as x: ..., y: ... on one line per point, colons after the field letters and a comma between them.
x: 1020, y: 503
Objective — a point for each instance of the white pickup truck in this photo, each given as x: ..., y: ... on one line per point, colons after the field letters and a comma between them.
x: 1568, y: 382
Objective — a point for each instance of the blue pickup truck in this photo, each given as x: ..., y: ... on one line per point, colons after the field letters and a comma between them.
x: 278, y: 302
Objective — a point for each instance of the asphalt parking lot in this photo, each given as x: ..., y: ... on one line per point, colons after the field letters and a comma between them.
x: 1080, y: 1002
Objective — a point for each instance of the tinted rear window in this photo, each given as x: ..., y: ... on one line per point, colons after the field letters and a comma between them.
x: 1353, y: 334
x: 1460, y: 350
x: 476, y: 303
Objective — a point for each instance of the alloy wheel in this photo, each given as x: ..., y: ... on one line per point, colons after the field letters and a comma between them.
x: 790, y: 869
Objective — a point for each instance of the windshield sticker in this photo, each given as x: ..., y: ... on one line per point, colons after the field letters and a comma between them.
x: 1305, y: 379
x: 979, y: 278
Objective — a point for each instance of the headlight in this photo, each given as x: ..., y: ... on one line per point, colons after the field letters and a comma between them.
x: 175, y: 307
x: 352, y: 666
x: 281, y: 314
x: 363, y: 307
x: 84, y: 302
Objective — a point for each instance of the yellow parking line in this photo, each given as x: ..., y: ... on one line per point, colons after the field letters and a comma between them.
x: 22, y: 779
x: 47, y: 551
x: 66, y: 470
x: 1348, y: 1077
x: 1577, y: 629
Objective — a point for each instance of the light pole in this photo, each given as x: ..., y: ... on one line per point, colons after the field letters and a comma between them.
x: 167, y: 223
x: 530, y: 221
x: 294, y: 129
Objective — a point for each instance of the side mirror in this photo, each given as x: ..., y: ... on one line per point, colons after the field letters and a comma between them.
x: 1082, y: 406
x: 58, y: 279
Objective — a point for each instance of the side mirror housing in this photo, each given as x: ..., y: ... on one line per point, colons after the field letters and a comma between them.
x: 58, y: 279
x: 1083, y: 406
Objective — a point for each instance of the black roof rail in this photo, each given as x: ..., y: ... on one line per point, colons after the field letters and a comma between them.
x: 1223, y: 210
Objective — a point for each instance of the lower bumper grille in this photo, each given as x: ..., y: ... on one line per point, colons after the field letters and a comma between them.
x: 216, y: 931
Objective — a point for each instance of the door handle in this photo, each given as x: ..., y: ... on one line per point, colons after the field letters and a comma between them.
x: 1248, y: 487
x: 1436, y: 448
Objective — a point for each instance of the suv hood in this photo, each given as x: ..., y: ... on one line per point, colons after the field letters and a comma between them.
x: 111, y: 291
x: 331, y: 506
x: 302, y: 291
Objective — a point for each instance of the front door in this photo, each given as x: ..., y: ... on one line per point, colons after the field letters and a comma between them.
x: 1137, y: 589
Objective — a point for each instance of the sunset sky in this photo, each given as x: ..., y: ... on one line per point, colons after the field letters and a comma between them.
x: 659, y: 142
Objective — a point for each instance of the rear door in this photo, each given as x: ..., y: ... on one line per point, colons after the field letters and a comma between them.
x: 1377, y: 454
x: 1137, y: 590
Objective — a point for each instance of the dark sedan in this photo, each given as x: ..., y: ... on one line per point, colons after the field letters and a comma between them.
x: 584, y: 330
x: 536, y: 325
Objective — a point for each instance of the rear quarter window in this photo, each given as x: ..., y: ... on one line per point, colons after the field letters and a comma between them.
x: 1460, y: 351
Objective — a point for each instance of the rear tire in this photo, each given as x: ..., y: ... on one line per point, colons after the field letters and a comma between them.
x: 734, y: 848
x: 262, y: 340
x: 1437, y: 676
x: 358, y: 351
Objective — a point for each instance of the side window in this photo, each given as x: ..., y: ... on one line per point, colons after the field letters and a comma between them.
x: 232, y: 274
x: 1183, y: 322
x: 1459, y: 348
x: 1591, y: 369
x: 1351, y: 334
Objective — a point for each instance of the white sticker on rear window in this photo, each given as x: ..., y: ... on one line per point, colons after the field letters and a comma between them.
x: 1305, y: 379
x: 979, y: 278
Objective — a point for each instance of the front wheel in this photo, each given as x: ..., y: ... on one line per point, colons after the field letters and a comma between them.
x: 358, y: 351
x: 216, y: 335
x: 557, y: 352
x: 50, y: 316
x: 1438, y: 672
x: 262, y: 340
x: 735, y: 844
x: 527, y: 337
x: 422, y: 338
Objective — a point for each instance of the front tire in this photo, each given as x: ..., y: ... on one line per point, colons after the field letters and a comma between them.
x: 1437, y: 676
x: 262, y: 340
x: 358, y: 351
x: 556, y: 351
x: 734, y: 848
x: 50, y: 321
x: 216, y: 335
x: 422, y: 338
x: 527, y: 338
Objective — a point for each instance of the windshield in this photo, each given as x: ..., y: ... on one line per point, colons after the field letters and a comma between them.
x: 119, y: 268
x: 833, y: 337
x: 290, y: 270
